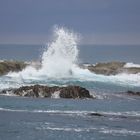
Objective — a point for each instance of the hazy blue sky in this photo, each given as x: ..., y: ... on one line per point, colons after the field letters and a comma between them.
x: 98, y: 21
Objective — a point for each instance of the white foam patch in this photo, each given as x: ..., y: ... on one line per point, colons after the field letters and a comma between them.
x: 124, y: 132
x: 128, y: 113
x: 119, y: 132
x: 114, y: 132
x: 66, y: 129
x: 77, y: 112
x: 131, y: 65
x: 126, y: 79
x: 56, y: 95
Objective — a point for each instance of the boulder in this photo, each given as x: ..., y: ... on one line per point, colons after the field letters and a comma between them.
x: 46, y: 91
x: 74, y: 92
x: 35, y: 91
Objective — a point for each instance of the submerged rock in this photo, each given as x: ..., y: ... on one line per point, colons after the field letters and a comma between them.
x: 96, y: 114
x: 45, y: 91
x: 133, y: 93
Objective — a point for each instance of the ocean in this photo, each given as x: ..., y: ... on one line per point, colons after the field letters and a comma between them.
x: 113, y: 115
x: 87, y: 53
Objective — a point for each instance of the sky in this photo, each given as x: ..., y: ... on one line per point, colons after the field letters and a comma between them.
x: 98, y: 21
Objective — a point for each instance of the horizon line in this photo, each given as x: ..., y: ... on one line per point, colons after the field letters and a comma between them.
x: 45, y: 44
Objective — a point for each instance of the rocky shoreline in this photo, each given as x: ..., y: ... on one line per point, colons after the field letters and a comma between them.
x: 112, y: 68
x: 108, y: 68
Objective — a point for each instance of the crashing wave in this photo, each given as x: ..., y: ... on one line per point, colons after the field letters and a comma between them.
x: 60, y: 64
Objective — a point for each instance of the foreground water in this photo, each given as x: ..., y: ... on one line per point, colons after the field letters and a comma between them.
x: 37, y: 118
x: 112, y: 115
x: 33, y: 119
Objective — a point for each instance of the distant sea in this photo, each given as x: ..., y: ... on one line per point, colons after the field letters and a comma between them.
x: 87, y: 53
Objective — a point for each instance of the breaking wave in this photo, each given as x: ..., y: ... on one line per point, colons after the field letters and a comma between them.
x: 60, y: 63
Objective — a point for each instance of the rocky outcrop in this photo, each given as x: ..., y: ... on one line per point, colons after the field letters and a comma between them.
x: 112, y: 68
x: 131, y: 93
x: 96, y: 114
x: 132, y: 70
x: 7, y: 66
x: 109, y: 68
x: 74, y: 92
x: 45, y: 91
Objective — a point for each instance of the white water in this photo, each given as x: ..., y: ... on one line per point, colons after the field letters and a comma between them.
x: 131, y: 65
x: 82, y: 113
x: 59, y: 62
x: 61, y: 56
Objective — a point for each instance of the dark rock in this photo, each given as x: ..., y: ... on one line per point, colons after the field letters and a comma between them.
x: 74, y: 92
x: 35, y: 91
x: 96, y: 114
x: 133, y: 93
x: 45, y: 91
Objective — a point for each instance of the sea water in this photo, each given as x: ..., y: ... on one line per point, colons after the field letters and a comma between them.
x: 29, y: 118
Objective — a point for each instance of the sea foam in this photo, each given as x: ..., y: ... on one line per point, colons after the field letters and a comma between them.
x: 131, y: 65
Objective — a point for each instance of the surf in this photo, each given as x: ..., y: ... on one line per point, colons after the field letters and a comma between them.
x: 59, y: 62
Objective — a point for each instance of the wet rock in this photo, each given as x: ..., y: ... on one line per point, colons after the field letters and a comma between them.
x: 35, y: 91
x: 133, y: 93
x: 45, y: 91
x: 111, y: 68
x: 74, y: 92
x: 7, y: 66
x: 96, y: 114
